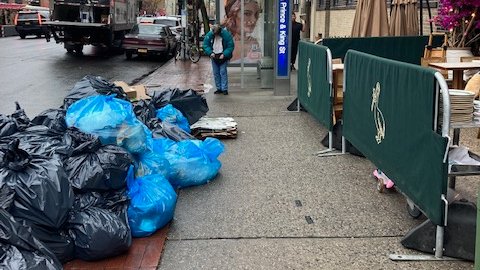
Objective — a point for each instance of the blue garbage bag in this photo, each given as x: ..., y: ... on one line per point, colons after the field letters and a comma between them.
x: 112, y: 120
x: 136, y: 138
x: 161, y: 145
x: 151, y: 162
x: 152, y: 204
x: 194, y: 162
x: 173, y: 116
x: 96, y: 113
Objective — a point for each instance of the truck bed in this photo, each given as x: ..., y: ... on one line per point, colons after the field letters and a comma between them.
x: 76, y: 24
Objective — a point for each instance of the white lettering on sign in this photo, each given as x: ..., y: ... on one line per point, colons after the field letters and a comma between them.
x: 283, y: 37
x: 283, y: 12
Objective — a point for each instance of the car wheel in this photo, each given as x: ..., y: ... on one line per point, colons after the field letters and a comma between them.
x: 79, y: 49
x: 128, y: 54
x: 22, y: 36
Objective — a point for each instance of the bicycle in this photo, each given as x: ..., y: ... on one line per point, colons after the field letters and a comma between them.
x: 190, y: 49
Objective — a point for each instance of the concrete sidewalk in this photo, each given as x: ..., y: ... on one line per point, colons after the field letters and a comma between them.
x: 275, y: 205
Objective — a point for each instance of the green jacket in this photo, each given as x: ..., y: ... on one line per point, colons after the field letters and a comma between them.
x: 227, y: 42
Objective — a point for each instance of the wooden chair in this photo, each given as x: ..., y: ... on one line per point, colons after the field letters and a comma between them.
x: 467, y: 74
x: 338, y: 91
x: 473, y: 86
x: 469, y: 58
x: 426, y: 61
x: 336, y: 60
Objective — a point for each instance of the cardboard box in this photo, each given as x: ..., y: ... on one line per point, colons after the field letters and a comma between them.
x: 135, y: 92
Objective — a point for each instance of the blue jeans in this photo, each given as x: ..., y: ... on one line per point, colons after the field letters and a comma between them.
x: 220, y: 75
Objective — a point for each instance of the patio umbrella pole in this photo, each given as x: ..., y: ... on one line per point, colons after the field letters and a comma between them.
x: 430, y: 16
x: 421, y: 17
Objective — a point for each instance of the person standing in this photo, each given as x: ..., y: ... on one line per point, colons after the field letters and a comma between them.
x: 219, y: 45
x: 296, y: 28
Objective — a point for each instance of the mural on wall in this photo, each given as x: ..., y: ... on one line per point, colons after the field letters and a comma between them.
x: 253, y: 22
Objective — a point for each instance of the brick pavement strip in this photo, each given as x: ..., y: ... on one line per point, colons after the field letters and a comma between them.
x: 180, y: 74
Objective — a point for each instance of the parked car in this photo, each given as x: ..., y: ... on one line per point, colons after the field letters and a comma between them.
x: 149, y: 39
x: 31, y: 23
x: 175, y: 23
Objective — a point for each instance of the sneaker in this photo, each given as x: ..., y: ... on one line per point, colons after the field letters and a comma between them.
x: 292, y: 67
x: 225, y: 92
x: 218, y: 91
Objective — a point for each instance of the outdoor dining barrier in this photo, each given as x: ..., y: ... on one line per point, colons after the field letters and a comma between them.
x: 407, y: 49
x: 390, y: 115
x: 315, y: 92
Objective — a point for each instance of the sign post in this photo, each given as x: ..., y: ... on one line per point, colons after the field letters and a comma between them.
x: 282, y: 47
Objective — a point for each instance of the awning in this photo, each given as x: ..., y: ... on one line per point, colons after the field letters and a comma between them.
x: 11, y: 6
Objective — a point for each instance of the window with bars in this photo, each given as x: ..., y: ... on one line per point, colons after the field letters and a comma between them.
x: 337, y: 4
x: 351, y: 4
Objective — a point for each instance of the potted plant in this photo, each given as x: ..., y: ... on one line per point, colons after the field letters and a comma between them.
x: 461, y: 19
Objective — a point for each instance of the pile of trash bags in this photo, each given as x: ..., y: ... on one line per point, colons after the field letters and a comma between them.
x: 82, y: 180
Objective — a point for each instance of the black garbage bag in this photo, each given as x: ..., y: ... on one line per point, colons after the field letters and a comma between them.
x: 337, y: 141
x: 17, y: 121
x: 42, y: 141
x: 95, y: 167
x: 192, y: 105
x: 145, y: 111
x: 58, y: 242
x: 43, y: 195
x: 166, y: 130
x: 20, y: 250
x: 114, y: 200
x: 52, y: 118
x: 6, y: 194
x: 99, y: 233
x: 90, y: 86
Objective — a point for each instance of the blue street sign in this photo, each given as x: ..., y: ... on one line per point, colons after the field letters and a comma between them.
x: 283, y: 64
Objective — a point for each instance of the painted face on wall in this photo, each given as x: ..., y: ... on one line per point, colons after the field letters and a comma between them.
x: 251, y: 13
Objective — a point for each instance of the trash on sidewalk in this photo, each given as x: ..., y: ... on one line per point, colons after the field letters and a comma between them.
x: 152, y: 204
x: 43, y: 195
x: 167, y: 130
x: 173, y: 116
x: 194, y: 162
x: 134, y: 92
x: 92, y: 86
x: 98, y: 224
x: 51, y: 118
x: 67, y: 173
x: 93, y: 166
x: 20, y: 249
x: 217, y: 127
x: 192, y: 105
x: 17, y: 121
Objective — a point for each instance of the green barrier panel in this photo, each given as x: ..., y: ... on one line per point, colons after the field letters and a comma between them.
x: 388, y: 115
x: 406, y: 49
x: 313, y: 84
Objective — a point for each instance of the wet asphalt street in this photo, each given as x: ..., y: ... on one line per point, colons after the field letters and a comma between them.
x: 38, y: 74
